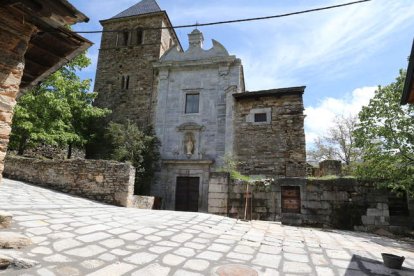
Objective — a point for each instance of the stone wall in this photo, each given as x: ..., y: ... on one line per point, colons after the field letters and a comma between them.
x: 339, y: 203
x: 14, y: 38
x: 276, y: 148
x: 45, y: 151
x: 330, y: 167
x: 105, y: 181
x: 218, y: 193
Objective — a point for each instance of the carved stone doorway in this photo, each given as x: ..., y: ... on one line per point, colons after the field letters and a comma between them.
x: 187, y: 194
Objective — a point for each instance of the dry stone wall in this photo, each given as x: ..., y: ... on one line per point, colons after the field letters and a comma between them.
x: 339, y: 203
x: 105, y: 181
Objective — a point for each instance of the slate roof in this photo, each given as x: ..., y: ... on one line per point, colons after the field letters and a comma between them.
x: 272, y: 92
x: 143, y: 7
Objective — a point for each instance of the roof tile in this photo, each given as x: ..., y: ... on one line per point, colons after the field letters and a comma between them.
x: 143, y: 7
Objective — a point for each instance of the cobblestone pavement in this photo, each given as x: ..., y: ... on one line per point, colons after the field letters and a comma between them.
x: 75, y: 236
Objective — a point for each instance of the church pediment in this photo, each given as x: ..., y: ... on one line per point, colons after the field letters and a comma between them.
x: 196, y: 51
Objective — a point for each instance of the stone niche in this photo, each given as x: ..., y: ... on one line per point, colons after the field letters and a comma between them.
x: 191, y: 141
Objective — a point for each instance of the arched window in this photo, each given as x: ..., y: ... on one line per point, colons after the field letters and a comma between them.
x: 125, y: 38
x: 140, y: 36
x: 122, y: 82
x: 125, y: 82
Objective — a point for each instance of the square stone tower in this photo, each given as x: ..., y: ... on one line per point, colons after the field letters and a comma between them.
x: 131, y: 41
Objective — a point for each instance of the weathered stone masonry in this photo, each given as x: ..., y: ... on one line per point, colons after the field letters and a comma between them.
x: 120, y: 63
x: 196, y: 101
x: 275, y: 147
x: 27, y: 55
x: 341, y: 203
x: 105, y: 181
x: 14, y: 40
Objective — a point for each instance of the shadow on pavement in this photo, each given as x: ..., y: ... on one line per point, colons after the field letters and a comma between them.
x: 373, y: 267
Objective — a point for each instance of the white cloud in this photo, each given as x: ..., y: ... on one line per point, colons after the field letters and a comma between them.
x: 326, y: 44
x: 286, y: 51
x: 320, y: 118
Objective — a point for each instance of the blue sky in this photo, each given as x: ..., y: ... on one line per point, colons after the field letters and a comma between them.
x: 341, y: 55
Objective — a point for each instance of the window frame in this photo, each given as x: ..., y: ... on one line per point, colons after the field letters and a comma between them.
x: 260, y: 117
x: 124, y: 82
x: 186, y: 111
x: 251, y: 116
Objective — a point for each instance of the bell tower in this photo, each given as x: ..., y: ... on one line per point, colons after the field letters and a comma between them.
x: 131, y: 42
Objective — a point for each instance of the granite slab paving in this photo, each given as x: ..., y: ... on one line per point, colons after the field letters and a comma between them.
x: 76, y: 236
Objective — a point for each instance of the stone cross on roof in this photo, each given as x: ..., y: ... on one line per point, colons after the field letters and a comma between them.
x: 143, y: 7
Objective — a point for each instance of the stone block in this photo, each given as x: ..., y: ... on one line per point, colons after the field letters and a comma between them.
x: 312, y: 187
x: 341, y: 196
x: 11, y: 240
x: 143, y: 202
x: 380, y: 220
x: 217, y: 188
x: 313, y: 196
x: 382, y: 206
x: 374, y: 212
x: 214, y: 202
x: 217, y: 210
x: 217, y: 195
x: 368, y: 220
x: 313, y: 204
x: 5, y: 219
x: 331, y: 196
x: 260, y: 209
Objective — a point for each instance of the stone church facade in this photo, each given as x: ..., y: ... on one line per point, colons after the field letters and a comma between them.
x: 196, y: 101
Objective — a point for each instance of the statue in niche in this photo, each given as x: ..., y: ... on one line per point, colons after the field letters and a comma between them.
x: 189, y: 144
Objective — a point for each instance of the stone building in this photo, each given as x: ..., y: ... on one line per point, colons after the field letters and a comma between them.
x: 125, y: 77
x: 34, y: 43
x: 197, y: 103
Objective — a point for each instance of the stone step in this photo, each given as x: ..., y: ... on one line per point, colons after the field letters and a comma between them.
x: 5, y: 219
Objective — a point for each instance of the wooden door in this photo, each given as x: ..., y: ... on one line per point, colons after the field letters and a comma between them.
x: 187, y: 193
x: 291, y: 199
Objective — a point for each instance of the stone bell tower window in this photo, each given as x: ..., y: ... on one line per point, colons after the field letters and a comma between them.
x: 122, y: 38
x: 140, y: 36
x: 125, y: 38
x: 125, y: 82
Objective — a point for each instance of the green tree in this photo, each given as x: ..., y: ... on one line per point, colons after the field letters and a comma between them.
x: 386, y: 135
x: 59, y: 111
x: 140, y: 148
